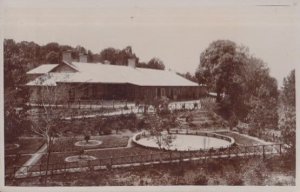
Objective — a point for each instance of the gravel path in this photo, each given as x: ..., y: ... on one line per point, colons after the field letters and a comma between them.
x: 32, y: 161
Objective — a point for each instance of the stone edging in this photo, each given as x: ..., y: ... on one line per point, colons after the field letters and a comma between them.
x: 137, y: 136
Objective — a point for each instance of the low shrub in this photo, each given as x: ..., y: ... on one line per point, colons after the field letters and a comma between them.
x: 106, y: 131
x: 201, y: 180
x: 214, y: 166
x: 235, y: 180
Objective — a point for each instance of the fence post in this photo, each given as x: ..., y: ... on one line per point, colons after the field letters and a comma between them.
x: 160, y: 158
x: 229, y: 152
x: 51, y: 170
x: 263, y: 152
x: 65, y: 167
x: 99, y: 163
x: 280, y: 149
x: 180, y: 157
x: 15, y: 170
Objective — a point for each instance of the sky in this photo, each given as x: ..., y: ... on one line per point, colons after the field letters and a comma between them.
x: 174, y: 31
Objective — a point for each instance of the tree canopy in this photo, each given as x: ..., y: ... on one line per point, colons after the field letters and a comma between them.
x: 120, y: 57
x: 289, y: 89
x: 287, y: 120
x: 156, y: 63
x: 251, y: 94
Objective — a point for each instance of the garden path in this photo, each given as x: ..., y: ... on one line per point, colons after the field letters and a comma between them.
x: 33, y: 160
x: 254, y: 138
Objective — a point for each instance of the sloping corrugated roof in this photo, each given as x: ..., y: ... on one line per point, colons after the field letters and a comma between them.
x: 101, y: 73
x: 50, y: 79
x: 44, y: 68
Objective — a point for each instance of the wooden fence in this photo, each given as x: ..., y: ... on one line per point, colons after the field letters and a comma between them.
x: 146, y: 159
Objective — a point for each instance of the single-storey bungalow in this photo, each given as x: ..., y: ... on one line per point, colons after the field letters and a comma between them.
x: 73, y: 81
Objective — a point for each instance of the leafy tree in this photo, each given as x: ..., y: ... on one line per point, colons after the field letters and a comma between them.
x: 80, y: 49
x: 52, y: 57
x: 289, y: 89
x: 142, y: 65
x: 156, y: 63
x: 262, y: 102
x: 222, y: 67
x: 161, y: 121
x: 87, y: 137
x: 47, y: 122
x: 250, y: 93
x: 90, y: 56
x: 123, y: 56
x: 287, y: 121
x: 189, y: 76
x: 52, y: 47
x: 162, y: 139
x: 116, y: 56
x: 217, y: 61
x: 15, y: 57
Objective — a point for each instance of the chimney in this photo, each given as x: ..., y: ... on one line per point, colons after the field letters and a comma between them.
x: 131, y: 62
x: 67, y: 56
x: 82, y: 58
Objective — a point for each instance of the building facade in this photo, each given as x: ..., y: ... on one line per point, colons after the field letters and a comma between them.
x: 72, y: 81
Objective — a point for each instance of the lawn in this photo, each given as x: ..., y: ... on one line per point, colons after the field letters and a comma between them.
x: 123, y: 155
x: 12, y: 161
x: 65, y: 144
x: 240, y: 139
x: 18, y: 156
x: 100, y: 154
x: 27, y: 145
x: 120, y: 156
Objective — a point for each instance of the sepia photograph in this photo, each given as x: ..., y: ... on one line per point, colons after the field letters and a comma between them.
x: 149, y: 94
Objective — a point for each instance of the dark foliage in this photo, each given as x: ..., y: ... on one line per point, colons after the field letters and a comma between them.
x: 250, y: 92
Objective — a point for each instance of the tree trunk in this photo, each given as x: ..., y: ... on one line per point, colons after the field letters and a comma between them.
x: 49, y: 141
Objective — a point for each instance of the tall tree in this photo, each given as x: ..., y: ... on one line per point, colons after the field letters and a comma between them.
x: 47, y: 122
x: 188, y: 76
x: 287, y: 112
x: 250, y: 93
x: 261, y: 96
x: 109, y: 54
x: 222, y: 63
x: 52, y: 57
x: 156, y: 63
x: 289, y: 89
x: 222, y: 67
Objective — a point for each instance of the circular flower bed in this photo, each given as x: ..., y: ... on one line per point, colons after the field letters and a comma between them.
x: 89, y: 143
x: 184, y: 142
x: 79, y: 158
x: 9, y: 147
